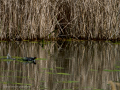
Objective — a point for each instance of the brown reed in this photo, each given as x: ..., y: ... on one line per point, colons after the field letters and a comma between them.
x: 35, y: 19
x: 113, y: 85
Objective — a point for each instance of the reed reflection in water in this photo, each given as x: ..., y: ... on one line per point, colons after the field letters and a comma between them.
x: 82, y: 65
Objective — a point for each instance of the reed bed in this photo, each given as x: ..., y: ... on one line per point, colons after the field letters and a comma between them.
x: 35, y: 19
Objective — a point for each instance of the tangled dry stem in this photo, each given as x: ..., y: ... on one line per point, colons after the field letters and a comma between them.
x: 30, y: 19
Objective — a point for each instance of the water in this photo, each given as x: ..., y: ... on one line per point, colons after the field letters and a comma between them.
x: 70, y: 65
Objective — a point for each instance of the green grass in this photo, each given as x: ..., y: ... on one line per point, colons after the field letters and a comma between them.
x: 15, y: 83
x: 111, y: 70
x: 63, y: 73
x: 59, y: 68
x: 93, y: 70
x: 67, y: 82
x: 50, y: 73
x: 41, y: 59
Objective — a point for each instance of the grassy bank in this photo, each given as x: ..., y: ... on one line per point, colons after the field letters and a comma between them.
x: 35, y: 19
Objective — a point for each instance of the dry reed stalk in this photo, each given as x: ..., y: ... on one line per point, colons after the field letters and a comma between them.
x: 23, y: 19
x: 113, y: 85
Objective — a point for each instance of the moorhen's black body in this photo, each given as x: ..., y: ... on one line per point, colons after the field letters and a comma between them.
x: 30, y: 59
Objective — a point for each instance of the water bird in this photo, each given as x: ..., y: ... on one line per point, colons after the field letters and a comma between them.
x: 30, y: 59
x: 8, y: 56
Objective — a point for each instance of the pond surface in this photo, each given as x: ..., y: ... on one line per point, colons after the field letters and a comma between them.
x: 69, y: 65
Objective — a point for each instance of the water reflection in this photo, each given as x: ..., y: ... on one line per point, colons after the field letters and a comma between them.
x: 81, y: 65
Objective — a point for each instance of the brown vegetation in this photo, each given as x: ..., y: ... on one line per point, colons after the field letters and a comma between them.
x: 35, y: 19
x: 113, y: 85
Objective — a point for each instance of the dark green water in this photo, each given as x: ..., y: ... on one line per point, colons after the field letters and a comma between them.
x: 70, y: 65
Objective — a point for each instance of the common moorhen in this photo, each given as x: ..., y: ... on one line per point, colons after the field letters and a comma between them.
x: 29, y: 58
